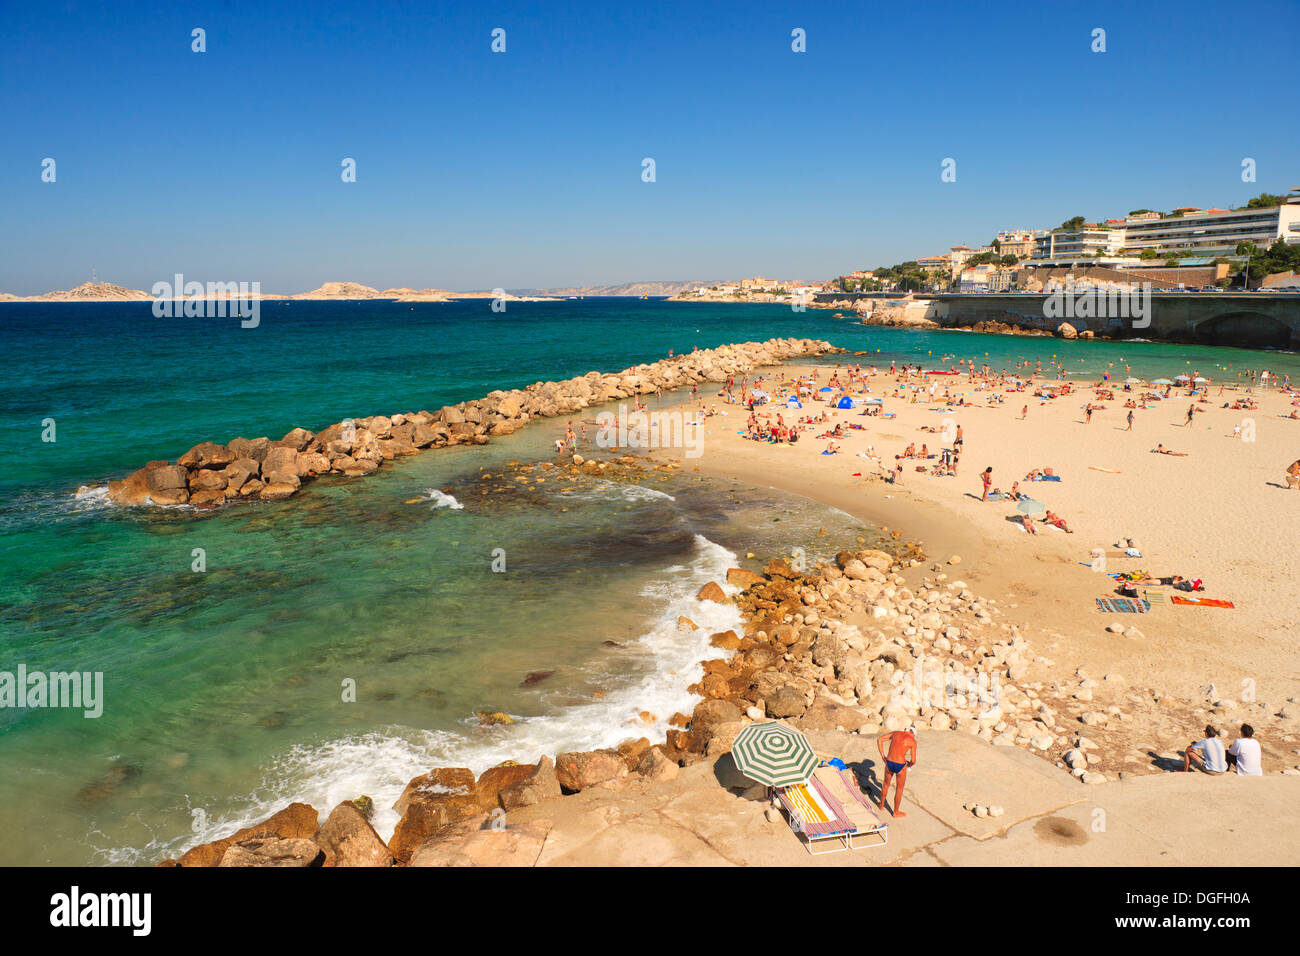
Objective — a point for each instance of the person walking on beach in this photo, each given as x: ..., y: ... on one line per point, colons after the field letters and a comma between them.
x: 900, y: 756
x: 1130, y: 421
x: 1191, y: 410
x: 1024, y: 412
x: 986, y: 476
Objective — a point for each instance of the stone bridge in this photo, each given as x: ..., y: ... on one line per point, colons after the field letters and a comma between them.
x: 1248, y: 319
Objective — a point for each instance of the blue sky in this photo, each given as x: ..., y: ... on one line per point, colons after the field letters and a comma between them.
x: 523, y: 169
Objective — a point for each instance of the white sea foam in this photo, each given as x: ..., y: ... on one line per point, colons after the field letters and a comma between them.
x: 604, y: 490
x: 441, y: 499
x: 380, y: 764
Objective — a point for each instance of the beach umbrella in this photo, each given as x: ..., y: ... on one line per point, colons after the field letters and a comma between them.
x: 1182, y: 377
x: 793, y: 403
x: 1028, y: 506
x: 845, y: 402
x: 1161, y: 381
x: 1201, y: 381
x: 825, y: 388
x: 774, y: 754
x: 1132, y: 381
x: 873, y: 401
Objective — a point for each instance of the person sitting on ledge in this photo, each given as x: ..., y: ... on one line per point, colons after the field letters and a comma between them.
x: 1207, y: 754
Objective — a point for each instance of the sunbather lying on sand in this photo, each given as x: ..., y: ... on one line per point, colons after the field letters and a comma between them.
x: 1162, y: 450
x: 1057, y: 521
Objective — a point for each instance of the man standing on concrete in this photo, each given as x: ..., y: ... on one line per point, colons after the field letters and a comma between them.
x: 900, y: 756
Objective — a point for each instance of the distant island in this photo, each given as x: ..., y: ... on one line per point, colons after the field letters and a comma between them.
x: 111, y: 292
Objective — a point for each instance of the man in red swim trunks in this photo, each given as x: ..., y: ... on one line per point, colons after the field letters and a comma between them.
x: 901, y: 755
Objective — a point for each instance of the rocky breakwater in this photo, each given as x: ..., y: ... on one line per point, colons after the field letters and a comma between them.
x: 245, y: 469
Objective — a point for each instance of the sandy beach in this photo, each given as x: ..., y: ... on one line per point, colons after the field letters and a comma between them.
x: 1222, y: 514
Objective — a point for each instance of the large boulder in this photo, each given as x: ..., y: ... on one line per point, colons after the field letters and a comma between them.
x: 712, y: 592
x: 274, y: 851
x: 312, y: 463
x: 298, y: 439
x: 656, y: 766
x: 429, y: 802
x: 490, y: 784
x: 743, y: 579
x: 254, y: 448
x: 1066, y: 331
x: 787, y: 701
x: 592, y: 768
x: 168, y: 484
x: 207, y: 455
x: 296, y: 821
x: 208, y: 479
x: 541, y: 784
x: 348, y: 839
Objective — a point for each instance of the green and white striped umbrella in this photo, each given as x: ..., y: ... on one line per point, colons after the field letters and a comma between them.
x: 774, y: 754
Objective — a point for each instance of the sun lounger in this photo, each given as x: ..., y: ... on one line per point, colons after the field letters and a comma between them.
x: 819, y: 818
x: 857, y: 806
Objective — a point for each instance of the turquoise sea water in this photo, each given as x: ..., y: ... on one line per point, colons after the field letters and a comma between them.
x: 224, y: 688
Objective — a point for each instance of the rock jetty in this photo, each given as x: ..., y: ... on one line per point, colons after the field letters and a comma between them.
x: 252, y: 469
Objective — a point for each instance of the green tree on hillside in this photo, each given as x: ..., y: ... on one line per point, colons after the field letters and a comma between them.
x: 1070, y: 225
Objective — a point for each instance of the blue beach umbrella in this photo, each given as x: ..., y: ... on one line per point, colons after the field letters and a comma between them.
x: 825, y: 388
x: 845, y: 402
x: 794, y: 403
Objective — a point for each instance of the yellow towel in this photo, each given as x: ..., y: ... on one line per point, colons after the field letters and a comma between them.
x: 808, y: 808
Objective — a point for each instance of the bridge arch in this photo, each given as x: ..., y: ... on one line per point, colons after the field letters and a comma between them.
x: 1245, y: 328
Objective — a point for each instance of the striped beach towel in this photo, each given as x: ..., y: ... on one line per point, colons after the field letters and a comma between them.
x: 857, y: 806
x: 815, y: 817
x: 1156, y: 597
x: 1123, y: 605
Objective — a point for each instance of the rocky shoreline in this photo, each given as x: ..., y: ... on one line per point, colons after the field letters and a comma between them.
x: 211, y: 474
x: 840, y: 647
x: 848, y: 646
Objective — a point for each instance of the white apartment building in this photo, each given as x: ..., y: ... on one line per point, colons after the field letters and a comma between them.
x: 1198, y: 232
x: 1215, y: 232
